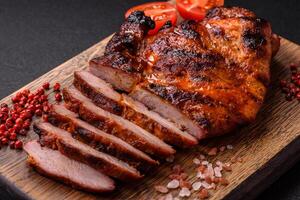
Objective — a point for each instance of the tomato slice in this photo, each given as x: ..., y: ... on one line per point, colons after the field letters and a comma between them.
x: 160, y: 12
x: 196, y: 9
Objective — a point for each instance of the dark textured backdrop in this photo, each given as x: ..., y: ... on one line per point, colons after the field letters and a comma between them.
x: 37, y: 35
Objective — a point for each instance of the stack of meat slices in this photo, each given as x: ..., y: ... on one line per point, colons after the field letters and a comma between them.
x: 103, y: 133
x: 148, y: 95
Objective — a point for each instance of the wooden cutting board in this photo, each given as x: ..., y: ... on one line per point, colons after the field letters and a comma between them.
x: 268, y: 147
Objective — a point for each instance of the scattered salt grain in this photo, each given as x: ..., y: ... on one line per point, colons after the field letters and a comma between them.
x: 205, y: 162
x: 202, y: 157
x: 229, y: 146
x: 170, y: 159
x: 206, y: 185
x: 184, y: 192
x: 200, y: 175
x: 219, y: 163
x: 196, y: 161
x: 177, y: 169
x: 173, y: 184
x: 210, y: 170
x: 168, y: 197
x: 161, y: 189
x: 213, y: 186
x: 222, y: 148
x: 196, y: 186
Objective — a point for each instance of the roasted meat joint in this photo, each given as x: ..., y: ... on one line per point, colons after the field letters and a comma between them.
x: 149, y: 96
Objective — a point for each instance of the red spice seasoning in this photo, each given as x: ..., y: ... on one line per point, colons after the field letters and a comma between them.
x: 291, y: 88
x: 56, y: 87
x: 58, y: 97
x: 46, y: 86
x: 15, y: 120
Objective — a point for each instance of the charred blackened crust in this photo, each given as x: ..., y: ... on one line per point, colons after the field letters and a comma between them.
x: 187, y: 29
x: 132, y: 31
x: 139, y: 17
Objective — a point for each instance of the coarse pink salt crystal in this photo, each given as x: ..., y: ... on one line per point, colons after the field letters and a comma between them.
x: 200, y: 175
x: 205, y: 162
x: 206, y: 185
x: 161, y: 189
x: 170, y: 159
x: 185, y: 192
x: 229, y: 146
x: 227, y: 167
x: 196, y: 161
x: 222, y: 148
x: 168, y: 197
x: 210, y: 170
x: 173, y: 184
x: 213, y: 186
x: 240, y: 159
x: 217, y: 171
x: 183, y: 176
x: 219, y: 163
x: 202, y: 157
x: 177, y: 169
x: 196, y: 186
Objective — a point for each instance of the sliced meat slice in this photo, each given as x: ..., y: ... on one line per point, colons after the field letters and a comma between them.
x: 63, y: 118
x: 104, y: 96
x: 57, y: 138
x: 155, y: 103
x: 116, y: 125
x: 100, y: 92
x: 55, y: 165
x: 121, y: 79
x: 154, y: 123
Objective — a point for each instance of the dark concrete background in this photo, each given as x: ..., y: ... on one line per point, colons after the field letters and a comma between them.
x: 38, y: 35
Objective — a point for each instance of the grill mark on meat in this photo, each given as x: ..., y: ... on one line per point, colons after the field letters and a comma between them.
x: 161, y: 106
x: 67, y: 120
x: 187, y: 29
x: 78, y: 175
x: 57, y: 138
x: 190, y: 102
x: 177, y: 97
x: 253, y: 40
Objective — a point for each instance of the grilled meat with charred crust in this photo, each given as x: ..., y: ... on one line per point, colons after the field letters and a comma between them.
x: 214, y: 72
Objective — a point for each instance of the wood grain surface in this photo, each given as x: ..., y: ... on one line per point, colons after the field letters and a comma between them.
x: 268, y: 147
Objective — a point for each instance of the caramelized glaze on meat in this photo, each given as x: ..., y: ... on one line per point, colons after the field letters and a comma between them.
x: 215, y: 71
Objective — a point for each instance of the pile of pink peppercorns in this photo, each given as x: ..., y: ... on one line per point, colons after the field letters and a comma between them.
x: 291, y: 87
x: 15, y: 120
